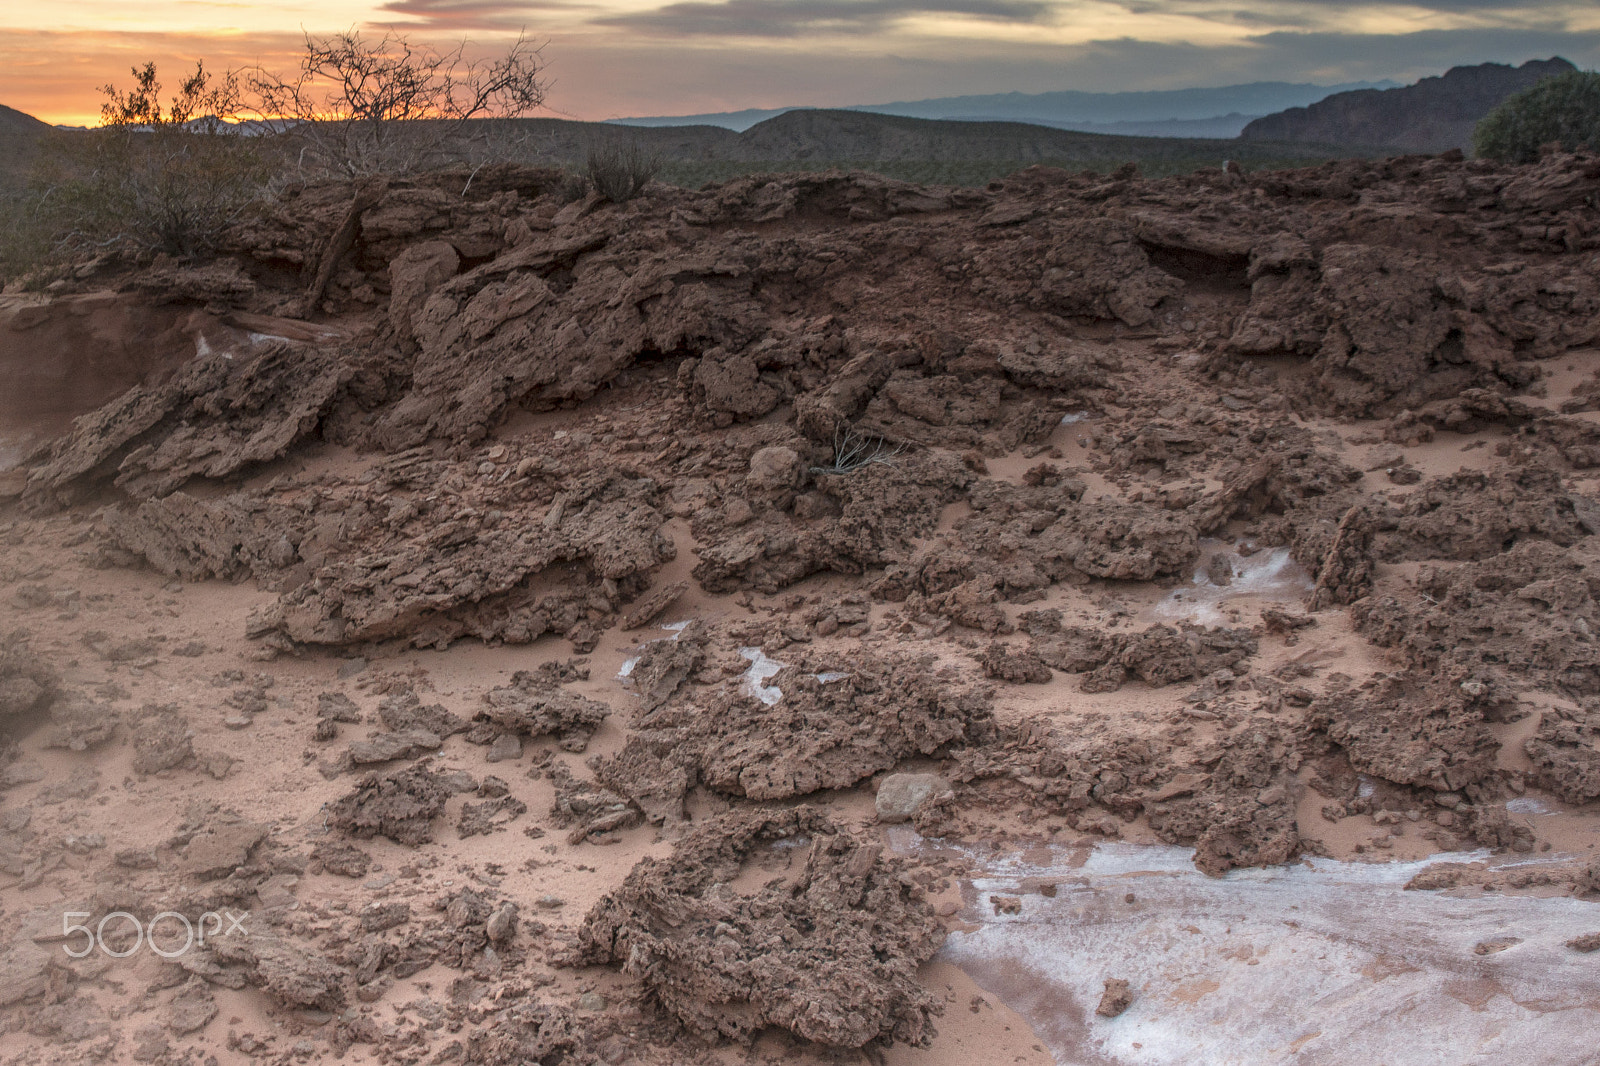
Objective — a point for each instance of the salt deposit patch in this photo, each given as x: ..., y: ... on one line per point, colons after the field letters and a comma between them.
x: 1267, y: 575
x: 753, y: 681
x: 1316, y: 963
x: 676, y: 629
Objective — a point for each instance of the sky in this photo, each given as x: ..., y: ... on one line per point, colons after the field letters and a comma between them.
x: 616, y: 58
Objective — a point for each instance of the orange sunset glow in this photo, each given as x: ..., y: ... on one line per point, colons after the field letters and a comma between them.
x: 610, y: 58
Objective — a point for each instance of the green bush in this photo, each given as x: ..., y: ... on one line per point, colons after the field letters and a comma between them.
x: 1564, y: 110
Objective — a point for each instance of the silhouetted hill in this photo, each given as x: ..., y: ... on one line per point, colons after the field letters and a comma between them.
x: 1434, y: 115
x: 938, y: 150
x: 1159, y: 113
x: 19, y: 140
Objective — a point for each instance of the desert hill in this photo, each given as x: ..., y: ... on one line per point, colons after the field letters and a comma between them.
x: 1094, y: 112
x: 1434, y: 115
x: 19, y: 137
x: 947, y: 151
x: 959, y: 152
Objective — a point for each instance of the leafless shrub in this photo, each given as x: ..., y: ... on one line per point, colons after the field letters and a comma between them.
x: 854, y: 451
x: 385, y: 106
x: 620, y: 172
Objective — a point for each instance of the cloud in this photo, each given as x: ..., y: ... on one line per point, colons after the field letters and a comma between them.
x: 1290, y: 10
x: 792, y: 18
x: 479, y: 14
x: 603, y: 73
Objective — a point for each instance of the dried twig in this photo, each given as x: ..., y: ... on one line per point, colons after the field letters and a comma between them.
x: 853, y: 451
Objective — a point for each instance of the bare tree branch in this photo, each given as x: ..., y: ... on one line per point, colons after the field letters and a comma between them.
x: 386, y: 106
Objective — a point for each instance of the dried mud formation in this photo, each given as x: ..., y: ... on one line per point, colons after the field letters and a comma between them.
x: 990, y: 486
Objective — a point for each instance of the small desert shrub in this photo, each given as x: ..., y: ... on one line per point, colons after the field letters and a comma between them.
x: 27, y: 245
x: 151, y: 179
x: 620, y: 172
x: 1564, y: 110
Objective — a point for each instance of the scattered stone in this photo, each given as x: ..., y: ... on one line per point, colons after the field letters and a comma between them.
x: 386, y: 747
x: 502, y: 925
x: 650, y: 608
x: 192, y: 1008
x: 217, y: 850
x: 507, y: 747
x: 901, y: 796
x: 345, y: 860
x: 1117, y: 997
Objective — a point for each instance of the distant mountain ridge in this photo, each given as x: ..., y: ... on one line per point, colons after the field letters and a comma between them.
x: 1155, y: 113
x: 1434, y: 115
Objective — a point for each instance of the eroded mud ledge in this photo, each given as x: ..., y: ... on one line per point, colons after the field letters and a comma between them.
x: 1252, y: 514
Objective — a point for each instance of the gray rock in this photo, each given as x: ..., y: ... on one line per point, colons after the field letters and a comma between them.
x: 502, y: 925
x: 507, y: 747
x: 774, y: 468
x: 902, y: 795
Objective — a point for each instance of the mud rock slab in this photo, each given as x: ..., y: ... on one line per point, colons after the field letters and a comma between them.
x: 650, y: 607
x: 405, y: 711
x: 345, y: 860
x: 1094, y: 267
x: 1116, y: 998
x: 224, y: 411
x: 1528, y: 611
x: 78, y: 723
x: 1160, y: 655
x: 398, y: 804
x: 900, y: 796
x: 775, y: 468
x: 219, y: 849
x: 432, y: 582
x: 26, y: 683
x: 527, y: 1033
x: 1475, y: 516
x: 193, y: 539
x: 192, y: 1007
x: 503, y: 326
x: 1566, y: 754
x: 1432, y: 736
x: 162, y: 740
x: 830, y: 953
x: 24, y: 972
x: 277, y: 966
x: 413, y: 275
x: 534, y: 706
x: 819, y: 735
x: 877, y: 511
